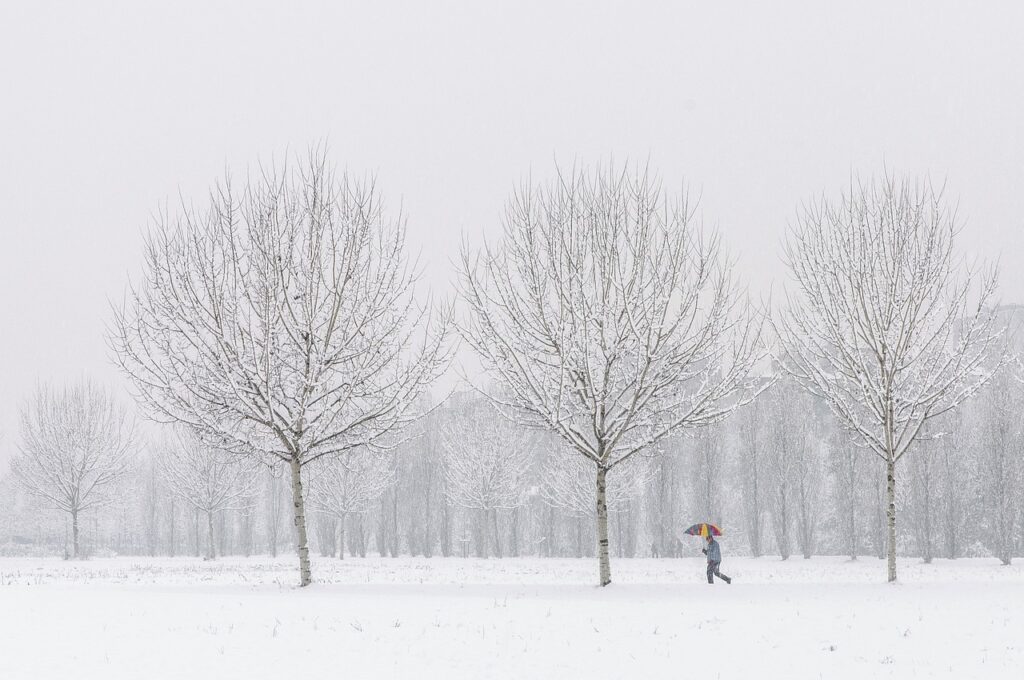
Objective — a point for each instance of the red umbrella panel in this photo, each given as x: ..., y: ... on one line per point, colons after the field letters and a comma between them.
x: 703, y: 529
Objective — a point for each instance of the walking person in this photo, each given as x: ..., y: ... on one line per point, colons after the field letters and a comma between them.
x: 714, y: 553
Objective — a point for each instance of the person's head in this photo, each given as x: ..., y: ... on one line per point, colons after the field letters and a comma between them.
x: 709, y: 537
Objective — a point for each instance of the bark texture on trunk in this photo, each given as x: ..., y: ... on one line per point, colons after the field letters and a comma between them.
x: 604, y: 566
x: 890, y: 513
x: 299, y: 505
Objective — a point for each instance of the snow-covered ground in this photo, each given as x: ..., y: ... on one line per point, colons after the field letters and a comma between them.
x: 420, y: 618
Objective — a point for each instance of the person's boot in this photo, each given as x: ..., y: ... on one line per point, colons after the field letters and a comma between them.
x: 728, y: 580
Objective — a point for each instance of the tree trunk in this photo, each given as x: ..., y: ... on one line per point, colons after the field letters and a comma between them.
x: 850, y: 479
x: 341, y: 537
x: 395, y: 538
x: 890, y: 512
x: 497, y: 533
x: 382, y: 523
x: 170, y: 540
x: 74, y: 533
x: 210, y: 554
x: 446, y: 529
x: 852, y: 516
x: 428, y: 539
x: 222, y: 531
x: 514, y: 547
x: 782, y: 524
x: 552, y: 529
x: 361, y: 535
x: 248, y: 529
x: 662, y: 529
x: 604, y: 566
x: 927, y: 556
x: 755, y: 543
x: 299, y: 504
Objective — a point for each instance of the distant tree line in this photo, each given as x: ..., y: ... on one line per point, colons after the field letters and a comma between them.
x: 630, y: 386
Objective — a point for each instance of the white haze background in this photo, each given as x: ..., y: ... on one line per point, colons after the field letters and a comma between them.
x: 110, y: 110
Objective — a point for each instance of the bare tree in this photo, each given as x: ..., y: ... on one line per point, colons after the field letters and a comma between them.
x: 567, y: 483
x: 281, y: 322
x: 752, y: 427
x: 846, y: 474
x: 808, y: 475
x: 878, y: 324
x: 274, y: 497
x: 787, y: 435
x: 609, y: 318
x: 664, y: 504
x: 706, y: 474
x: 487, y: 461
x: 921, y: 493
x: 340, y: 487
x: 75, y: 445
x: 792, y: 467
x: 955, y: 472
x: 1001, y: 465
x: 207, y: 479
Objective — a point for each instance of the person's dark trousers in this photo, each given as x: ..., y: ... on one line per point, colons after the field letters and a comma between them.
x: 713, y: 571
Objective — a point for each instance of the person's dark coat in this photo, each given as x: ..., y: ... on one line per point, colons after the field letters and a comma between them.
x: 714, y: 553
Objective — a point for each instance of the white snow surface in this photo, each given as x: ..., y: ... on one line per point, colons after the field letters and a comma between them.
x: 827, y: 617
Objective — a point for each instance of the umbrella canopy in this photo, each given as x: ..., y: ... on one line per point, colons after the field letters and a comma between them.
x: 703, y: 529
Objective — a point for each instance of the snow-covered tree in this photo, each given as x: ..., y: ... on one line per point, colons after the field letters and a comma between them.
x: 209, y: 480
x: 922, y: 491
x: 1000, y: 464
x: 845, y: 467
x: 879, y: 325
x: 610, y: 318
x: 75, y: 445
x: 751, y: 426
x: 792, y: 467
x: 349, y: 485
x: 424, y: 490
x: 955, y: 471
x: 787, y: 435
x: 567, y: 482
x: 706, y: 469
x: 808, y: 475
x: 664, y: 504
x: 274, y: 503
x: 280, y: 322
x: 487, y: 462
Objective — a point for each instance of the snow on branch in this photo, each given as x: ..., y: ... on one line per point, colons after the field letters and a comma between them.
x: 281, y: 318
x: 609, y: 315
x: 880, y: 324
x: 487, y: 459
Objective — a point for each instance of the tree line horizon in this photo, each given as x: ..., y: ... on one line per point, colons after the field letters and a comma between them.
x: 278, y: 328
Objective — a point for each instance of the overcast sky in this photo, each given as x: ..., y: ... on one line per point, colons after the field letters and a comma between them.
x: 110, y: 110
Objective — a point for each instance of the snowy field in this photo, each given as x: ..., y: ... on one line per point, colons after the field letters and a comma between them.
x: 420, y: 618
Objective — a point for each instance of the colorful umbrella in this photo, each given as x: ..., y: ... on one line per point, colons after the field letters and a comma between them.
x: 703, y: 529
